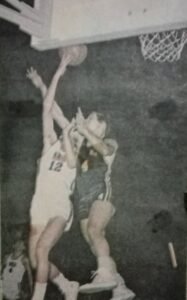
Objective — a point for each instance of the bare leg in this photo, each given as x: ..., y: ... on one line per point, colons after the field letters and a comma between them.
x: 47, y: 240
x: 41, y: 242
x: 100, y: 215
x: 70, y: 289
x: 93, y: 230
x: 35, y: 233
x: 84, y: 230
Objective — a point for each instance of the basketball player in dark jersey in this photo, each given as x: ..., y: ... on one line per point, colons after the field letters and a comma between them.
x: 95, y: 209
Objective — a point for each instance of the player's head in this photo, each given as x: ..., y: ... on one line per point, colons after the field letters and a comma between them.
x: 96, y: 123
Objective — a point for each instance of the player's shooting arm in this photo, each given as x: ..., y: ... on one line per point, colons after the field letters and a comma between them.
x: 49, y: 135
x: 50, y: 94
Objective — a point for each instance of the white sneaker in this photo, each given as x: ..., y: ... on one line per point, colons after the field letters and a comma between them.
x: 127, y: 294
x: 103, y: 280
x: 121, y: 292
x: 71, y: 290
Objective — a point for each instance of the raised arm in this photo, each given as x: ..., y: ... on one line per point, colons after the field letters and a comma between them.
x: 50, y: 95
x: 69, y: 145
x: 49, y: 135
x: 99, y: 144
x: 56, y: 111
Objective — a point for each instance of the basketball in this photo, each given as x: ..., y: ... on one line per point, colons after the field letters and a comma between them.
x: 77, y: 53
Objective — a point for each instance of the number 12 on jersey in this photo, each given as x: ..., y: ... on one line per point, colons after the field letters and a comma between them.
x: 55, y: 166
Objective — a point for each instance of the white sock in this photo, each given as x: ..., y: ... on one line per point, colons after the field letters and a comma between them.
x: 39, y: 291
x: 61, y: 282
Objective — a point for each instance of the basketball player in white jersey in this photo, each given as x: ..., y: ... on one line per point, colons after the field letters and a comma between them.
x: 51, y: 209
x: 93, y: 193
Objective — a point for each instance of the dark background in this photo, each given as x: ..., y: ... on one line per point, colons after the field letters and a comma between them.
x: 146, y: 106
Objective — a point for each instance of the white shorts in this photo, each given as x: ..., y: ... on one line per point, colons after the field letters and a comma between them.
x: 45, y: 206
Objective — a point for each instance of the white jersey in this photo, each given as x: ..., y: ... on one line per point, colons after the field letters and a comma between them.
x: 53, y: 188
x: 54, y: 174
x: 12, y: 277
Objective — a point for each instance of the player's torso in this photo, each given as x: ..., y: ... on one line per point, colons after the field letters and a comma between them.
x: 91, y: 168
x: 53, y: 170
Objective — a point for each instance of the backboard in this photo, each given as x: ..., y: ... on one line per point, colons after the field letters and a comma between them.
x: 57, y: 23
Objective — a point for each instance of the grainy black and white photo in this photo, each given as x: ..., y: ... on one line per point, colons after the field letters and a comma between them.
x: 93, y: 98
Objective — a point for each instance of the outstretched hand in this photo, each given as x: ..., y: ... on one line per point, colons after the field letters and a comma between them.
x: 35, y: 78
x: 80, y: 122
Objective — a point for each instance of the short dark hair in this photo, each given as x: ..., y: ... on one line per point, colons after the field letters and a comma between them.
x: 100, y: 117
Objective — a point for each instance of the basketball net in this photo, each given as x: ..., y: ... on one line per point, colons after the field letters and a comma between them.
x: 163, y: 46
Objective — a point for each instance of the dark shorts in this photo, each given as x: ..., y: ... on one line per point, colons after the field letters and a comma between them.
x: 90, y: 186
x: 85, y: 203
